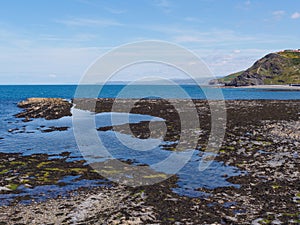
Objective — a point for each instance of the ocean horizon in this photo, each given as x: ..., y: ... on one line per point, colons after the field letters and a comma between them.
x: 21, y: 92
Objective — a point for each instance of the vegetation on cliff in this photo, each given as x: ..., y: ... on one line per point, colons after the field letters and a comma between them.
x: 275, y: 68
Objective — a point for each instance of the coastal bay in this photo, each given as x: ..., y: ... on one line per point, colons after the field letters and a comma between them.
x: 261, y: 140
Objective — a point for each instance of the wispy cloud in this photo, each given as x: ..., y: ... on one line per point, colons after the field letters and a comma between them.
x: 188, y: 39
x: 210, y: 38
x: 165, y: 5
x: 219, y: 37
x: 103, y: 5
x: 223, y: 62
x: 213, y: 39
x: 193, y: 20
x: 89, y: 22
x: 81, y: 37
x: 278, y: 14
x: 245, y: 5
x: 9, y: 37
x: 45, y: 64
x: 295, y: 15
x: 115, y: 11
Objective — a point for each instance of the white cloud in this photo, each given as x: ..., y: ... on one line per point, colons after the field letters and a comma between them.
x: 278, y: 14
x: 224, y: 62
x: 89, y: 22
x: 295, y: 15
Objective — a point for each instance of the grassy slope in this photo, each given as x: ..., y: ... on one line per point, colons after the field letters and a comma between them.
x: 229, y: 77
x: 290, y: 74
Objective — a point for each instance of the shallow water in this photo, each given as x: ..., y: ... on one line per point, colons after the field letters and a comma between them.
x: 27, y: 138
x: 17, y: 136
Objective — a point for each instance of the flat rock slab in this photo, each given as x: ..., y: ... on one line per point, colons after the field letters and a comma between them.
x: 48, y: 108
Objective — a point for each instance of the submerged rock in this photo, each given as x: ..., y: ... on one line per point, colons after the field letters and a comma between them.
x: 53, y: 128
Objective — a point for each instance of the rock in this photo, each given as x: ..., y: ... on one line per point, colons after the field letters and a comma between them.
x: 12, y: 130
x: 261, y: 140
x: 4, y: 189
x: 27, y: 119
x: 52, y: 128
x: 257, y: 221
x: 48, y: 108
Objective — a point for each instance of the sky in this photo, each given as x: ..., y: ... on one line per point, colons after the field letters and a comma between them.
x: 54, y: 42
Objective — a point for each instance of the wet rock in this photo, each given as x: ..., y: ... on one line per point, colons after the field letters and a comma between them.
x: 115, y: 205
x: 48, y: 108
x: 12, y: 130
x: 4, y: 189
x: 261, y: 139
x: 52, y: 128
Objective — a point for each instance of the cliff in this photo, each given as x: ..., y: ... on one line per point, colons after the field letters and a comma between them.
x: 275, y: 68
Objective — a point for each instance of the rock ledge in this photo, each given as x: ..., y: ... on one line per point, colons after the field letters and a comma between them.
x: 48, y: 108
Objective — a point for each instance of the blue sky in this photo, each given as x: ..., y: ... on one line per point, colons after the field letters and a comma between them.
x: 55, y: 41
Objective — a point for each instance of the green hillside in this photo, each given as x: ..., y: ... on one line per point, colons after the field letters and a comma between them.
x: 274, y: 68
x: 229, y: 77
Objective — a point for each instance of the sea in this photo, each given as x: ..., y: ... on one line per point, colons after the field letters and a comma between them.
x: 26, y: 138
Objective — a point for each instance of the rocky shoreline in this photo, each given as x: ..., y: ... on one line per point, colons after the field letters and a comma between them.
x: 48, y: 108
x: 262, y: 138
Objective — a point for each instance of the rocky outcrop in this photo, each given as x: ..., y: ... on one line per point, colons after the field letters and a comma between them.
x: 48, y: 108
x: 216, y: 82
x: 269, y: 67
x: 274, y: 68
x: 246, y: 79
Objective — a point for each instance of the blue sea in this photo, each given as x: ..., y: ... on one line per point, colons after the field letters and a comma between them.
x: 20, y: 92
x: 28, y: 139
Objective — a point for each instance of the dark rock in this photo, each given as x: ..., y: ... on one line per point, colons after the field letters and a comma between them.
x: 48, y: 108
x: 52, y: 128
x: 13, y: 130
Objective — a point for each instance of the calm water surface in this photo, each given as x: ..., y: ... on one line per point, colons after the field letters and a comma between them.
x: 28, y: 139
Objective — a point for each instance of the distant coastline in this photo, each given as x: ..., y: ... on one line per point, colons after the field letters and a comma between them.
x: 264, y: 86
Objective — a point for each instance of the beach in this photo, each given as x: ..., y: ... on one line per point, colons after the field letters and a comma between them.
x: 164, y: 112
x: 282, y: 87
x: 270, y: 87
x: 262, y: 141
